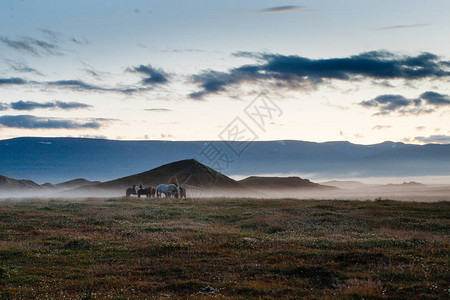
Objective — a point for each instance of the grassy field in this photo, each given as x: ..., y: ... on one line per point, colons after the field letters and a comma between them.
x: 238, y: 248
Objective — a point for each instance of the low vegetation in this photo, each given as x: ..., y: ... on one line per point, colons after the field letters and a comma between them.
x: 238, y: 248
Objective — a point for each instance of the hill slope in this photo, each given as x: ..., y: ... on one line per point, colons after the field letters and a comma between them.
x: 75, y: 183
x: 188, y: 172
x: 7, y: 183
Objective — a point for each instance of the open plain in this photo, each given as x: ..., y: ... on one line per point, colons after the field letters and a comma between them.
x: 223, y: 247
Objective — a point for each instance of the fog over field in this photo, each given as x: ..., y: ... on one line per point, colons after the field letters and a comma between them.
x: 425, y: 193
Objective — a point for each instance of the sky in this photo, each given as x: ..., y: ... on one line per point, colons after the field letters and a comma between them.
x: 323, y: 70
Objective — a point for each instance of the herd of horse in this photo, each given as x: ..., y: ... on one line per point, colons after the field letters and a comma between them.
x: 168, y: 190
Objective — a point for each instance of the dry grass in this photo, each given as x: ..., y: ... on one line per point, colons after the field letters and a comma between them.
x: 238, y: 248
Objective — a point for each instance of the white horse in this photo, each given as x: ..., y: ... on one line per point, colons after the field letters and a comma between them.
x: 169, y: 190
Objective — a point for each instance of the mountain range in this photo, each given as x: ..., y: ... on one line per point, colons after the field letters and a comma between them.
x: 62, y: 159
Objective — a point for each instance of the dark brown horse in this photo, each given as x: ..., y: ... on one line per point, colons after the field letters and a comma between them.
x: 149, y: 192
x: 130, y: 191
x: 182, y: 192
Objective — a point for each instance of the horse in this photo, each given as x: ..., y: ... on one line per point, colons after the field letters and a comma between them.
x: 149, y: 192
x: 130, y: 191
x: 169, y: 190
x: 182, y: 192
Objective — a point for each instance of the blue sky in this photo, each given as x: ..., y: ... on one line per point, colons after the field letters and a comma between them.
x: 363, y: 71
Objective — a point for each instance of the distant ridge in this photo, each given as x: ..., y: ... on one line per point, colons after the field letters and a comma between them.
x: 293, y: 182
x: 75, y: 183
x: 7, y: 183
x: 411, y: 183
x: 346, y: 184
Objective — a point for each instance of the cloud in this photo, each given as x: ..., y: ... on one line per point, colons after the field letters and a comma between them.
x: 71, y: 105
x: 33, y: 122
x: 278, y: 9
x: 439, y: 139
x: 180, y: 50
x: 158, y: 109
x: 32, y: 46
x: 300, y: 72
x: 90, y: 136
x: 166, y: 135
x: 75, y: 85
x: 153, y: 76
x: 340, y: 107
x: 13, y: 80
x: 80, y: 41
x: 436, y: 99
x: 50, y: 34
x: 21, y: 67
x: 426, y: 103
x: 31, y: 105
x: 404, y: 26
x: 387, y: 103
x: 214, y: 82
x: 92, y: 72
x: 3, y: 106
x: 379, y: 127
x: 420, y: 127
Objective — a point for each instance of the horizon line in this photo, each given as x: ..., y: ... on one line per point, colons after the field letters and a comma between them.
x: 214, y: 141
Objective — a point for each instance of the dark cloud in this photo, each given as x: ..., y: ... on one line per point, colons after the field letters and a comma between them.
x: 404, y: 26
x: 75, y: 85
x: 32, y: 46
x: 22, y: 67
x: 57, y: 37
x: 387, y: 103
x: 440, y: 139
x: 436, y: 99
x: 426, y: 103
x: 214, y: 81
x: 278, y: 9
x: 12, y: 80
x: 296, y: 72
x: 375, y: 64
x: 31, y: 105
x: 33, y: 122
x: 71, y: 105
x: 158, y: 109
x: 50, y: 34
x: 80, y: 41
x: 248, y: 54
x: 81, y: 86
x: 155, y: 76
x: 92, y: 72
